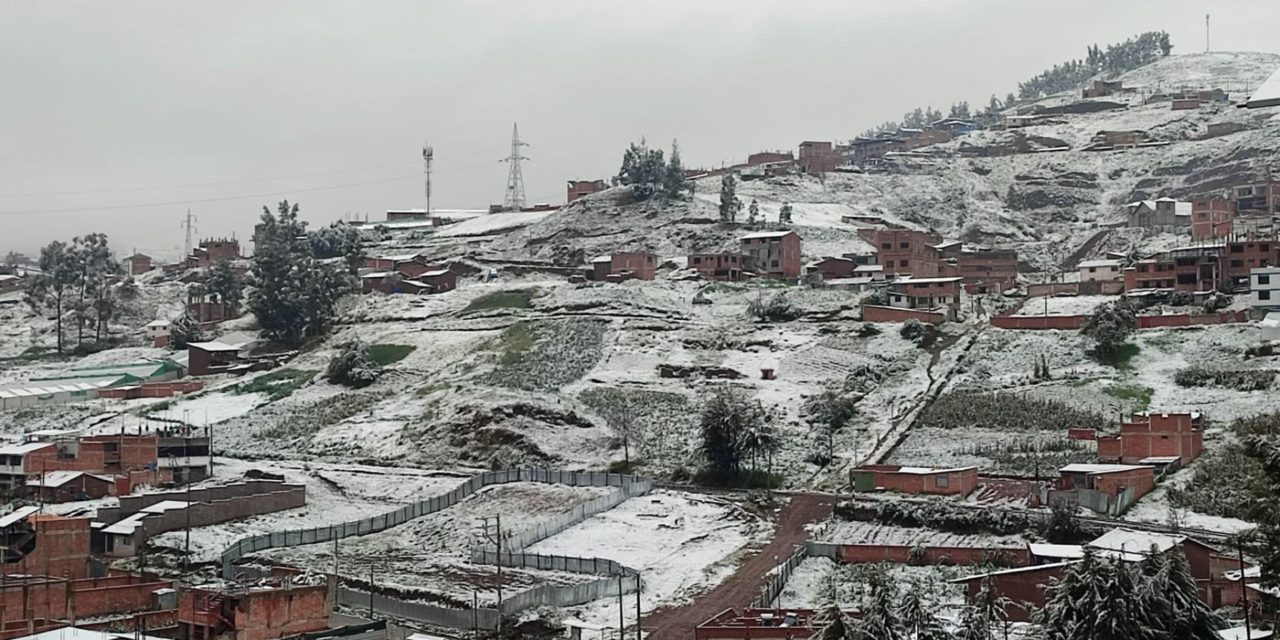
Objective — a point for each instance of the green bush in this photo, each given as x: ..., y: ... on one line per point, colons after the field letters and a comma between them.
x: 1240, y: 380
x: 276, y: 384
x: 385, y: 354
x: 517, y: 299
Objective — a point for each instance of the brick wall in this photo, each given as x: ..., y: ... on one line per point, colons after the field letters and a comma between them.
x: 1184, y: 320
x: 61, y: 547
x: 117, y: 595
x: 877, y: 313
x: 261, y: 615
x: 32, y: 599
x: 1024, y: 588
x: 1142, y: 481
x: 900, y: 554
x: 958, y: 482
x: 1038, y: 322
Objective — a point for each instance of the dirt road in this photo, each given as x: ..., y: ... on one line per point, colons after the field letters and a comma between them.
x: 677, y: 623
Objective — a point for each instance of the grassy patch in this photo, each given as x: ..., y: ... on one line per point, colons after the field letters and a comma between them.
x: 1118, y: 360
x: 518, y: 299
x: 385, y: 354
x: 1039, y: 458
x: 1240, y: 380
x: 548, y: 354
x: 1134, y: 392
x: 307, y: 421
x: 1004, y: 412
x: 276, y: 384
x: 36, y: 353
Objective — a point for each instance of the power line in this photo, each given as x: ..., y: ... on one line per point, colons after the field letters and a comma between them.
x: 236, y: 197
x: 227, y: 182
x: 415, y: 176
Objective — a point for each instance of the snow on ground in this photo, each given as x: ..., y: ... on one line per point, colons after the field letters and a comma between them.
x: 492, y: 223
x: 428, y: 552
x: 212, y: 408
x: 1064, y: 305
x: 817, y: 581
x: 336, y: 493
x: 857, y: 532
x: 1154, y: 507
x: 682, y: 544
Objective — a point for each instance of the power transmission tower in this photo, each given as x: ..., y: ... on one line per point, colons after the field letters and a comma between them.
x: 189, y: 224
x: 427, y: 155
x: 514, y: 200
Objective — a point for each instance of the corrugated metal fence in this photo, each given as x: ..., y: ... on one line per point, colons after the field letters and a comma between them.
x: 778, y: 580
x: 512, y: 555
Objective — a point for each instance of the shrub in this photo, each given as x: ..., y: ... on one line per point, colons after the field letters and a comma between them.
x: 774, y: 308
x: 940, y: 515
x: 912, y: 330
x: 868, y: 330
x: 518, y: 299
x: 352, y: 366
x: 385, y: 354
x: 1109, y: 327
x: 1240, y: 380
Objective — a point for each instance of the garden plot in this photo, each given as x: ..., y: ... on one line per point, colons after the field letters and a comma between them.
x: 1064, y: 305
x: 858, y: 532
x: 682, y: 544
x: 817, y: 583
x: 212, y: 408
x: 336, y: 493
x: 1029, y: 454
x: 427, y: 553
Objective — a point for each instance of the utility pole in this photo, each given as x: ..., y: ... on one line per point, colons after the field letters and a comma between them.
x: 514, y: 200
x: 427, y: 156
x: 370, y: 589
x: 496, y: 539
x: 186, y: 547
x: 622, y: 628
x: 1244, y: 590
x: 637, y: 605
x: 1206, y: 33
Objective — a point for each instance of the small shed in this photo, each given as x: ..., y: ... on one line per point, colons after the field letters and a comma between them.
x: 204, y: 358
x: 66, y: 486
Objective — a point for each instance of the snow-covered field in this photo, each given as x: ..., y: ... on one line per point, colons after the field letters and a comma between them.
x: 1064, y: 305
x: 857, y: 532
x: 682, y: 544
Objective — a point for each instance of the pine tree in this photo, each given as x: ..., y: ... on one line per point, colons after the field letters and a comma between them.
x: 675, y: 182
x: 51, y: 288
x: 917, y: 621
x: 880, y: 617
x: 643, y: 169
x: 294, y: 297
x: 183, y: 330
x: 727, y: 421
x: 730, y: 205
x: 352, y: 365
x: 1172, y: 598
x: 784, y: 214
x: 1096, y: 599
x: 223, y: 283
x: 837, y: 626
x: 753, y: 213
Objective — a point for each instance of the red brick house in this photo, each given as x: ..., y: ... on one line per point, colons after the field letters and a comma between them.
x: 211, y: 251
x: 773, y: 253
x: 1024, y: 587
x: 1260, y: 197
x: 925, y: 293
x: 769, y: 157
x: 1104, y: 488
x: 1155, y: 435
x: 205, y: 358
x: 762, y: 624
x: 1211, y: 218
x: 905, y: 251
x: 235, y: 612
x: 583, y: 188
x: 725, y: 267
x: 915, y: 480
x: 817, y: 158
x: 982, y: 270
x: 139, y: 263
x: 832, y: 267
x: 634, y: 265
x: 1103, y: 88
x: 65, y: 486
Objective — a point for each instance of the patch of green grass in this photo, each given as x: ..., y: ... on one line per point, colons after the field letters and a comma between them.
x: 1119, y: 359
x: 517, y: 340
x: 34, y: 353
x: 277, y: 384
x: 517, y: 299
x: 385, y: 354
x: 1135, y: 392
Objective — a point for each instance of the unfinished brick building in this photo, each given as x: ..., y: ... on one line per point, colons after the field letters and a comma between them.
x: 817, y: 158
x: 254, y: 612
x: 773, y: 253
x: 1155, y: 435
x: 1212, y: 218
x: 725, y: 267
x: 915, y: 480
x: 583, y: 188
x: 904, y: 251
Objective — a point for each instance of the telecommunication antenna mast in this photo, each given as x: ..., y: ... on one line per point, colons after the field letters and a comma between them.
x: 514, y: 200
x: 427, y: 156
x: 189, y: 224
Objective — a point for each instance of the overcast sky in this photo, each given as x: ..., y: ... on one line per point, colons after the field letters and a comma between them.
x: 103, y: 102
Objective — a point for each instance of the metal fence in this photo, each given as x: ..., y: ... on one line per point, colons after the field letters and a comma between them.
x: 616, y: 578
x: 778, y: 581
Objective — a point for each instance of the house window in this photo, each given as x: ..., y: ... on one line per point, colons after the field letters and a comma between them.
x: 903, y: 264
x: 941, y: 482
x: 775, y: 264
x: 1264, y: 279
x: 904, y: 245
x: 1237, y: 263
x: 886, y: 245
x: 1093, y: 270
x: 1264, y: 295
x: 1236, y: 248
x: 697, y: 260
